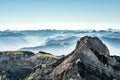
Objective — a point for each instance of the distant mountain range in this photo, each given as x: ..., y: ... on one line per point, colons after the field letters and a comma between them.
x: 55, y: 41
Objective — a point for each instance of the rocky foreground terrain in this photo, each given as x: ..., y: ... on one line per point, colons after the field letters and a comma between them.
x: 16, y: 65
x: 90, y: 60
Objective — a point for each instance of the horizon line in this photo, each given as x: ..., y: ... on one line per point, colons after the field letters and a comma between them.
x: 108, y: 29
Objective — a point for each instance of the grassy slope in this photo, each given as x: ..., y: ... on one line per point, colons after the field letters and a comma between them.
x: 15, y: 52
x: 45, y: 55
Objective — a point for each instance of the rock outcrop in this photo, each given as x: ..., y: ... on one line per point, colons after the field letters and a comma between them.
x: 16, y: 65
x: 43, y: 58
x: 13, y: 64
x: 90, y: 60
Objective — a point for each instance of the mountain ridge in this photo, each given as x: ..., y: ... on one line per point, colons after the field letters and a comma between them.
x: 90, y: 60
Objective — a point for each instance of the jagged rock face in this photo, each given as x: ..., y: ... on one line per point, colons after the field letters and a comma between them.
x: 14, y: 64
x: 93, y: 43
x: 90, y: 60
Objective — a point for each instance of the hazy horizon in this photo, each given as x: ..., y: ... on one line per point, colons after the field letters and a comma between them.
x: 107, y: 29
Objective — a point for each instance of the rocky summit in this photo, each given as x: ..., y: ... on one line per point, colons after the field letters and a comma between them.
x: 90, y: 60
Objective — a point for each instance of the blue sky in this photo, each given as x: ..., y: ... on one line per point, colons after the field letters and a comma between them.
x: 59, y: 14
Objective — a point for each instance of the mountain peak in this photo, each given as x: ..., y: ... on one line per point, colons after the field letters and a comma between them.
x: 89, y: 61
x: 94, y: 43
x: 88, y: 50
